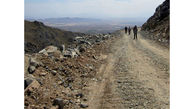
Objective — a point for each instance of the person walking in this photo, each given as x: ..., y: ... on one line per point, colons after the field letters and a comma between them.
x: 129, y: 30
x: 135, y: 32
x: 125, y: 30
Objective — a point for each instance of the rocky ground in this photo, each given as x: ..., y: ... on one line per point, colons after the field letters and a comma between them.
x: 111, y: 71
x: 65, y: 70
x: 55, y: 77
x: 157, y: 26
x: 134, y: 76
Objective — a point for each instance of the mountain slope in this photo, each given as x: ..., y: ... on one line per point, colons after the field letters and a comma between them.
x: 158, y: 24
x: 38, y: 36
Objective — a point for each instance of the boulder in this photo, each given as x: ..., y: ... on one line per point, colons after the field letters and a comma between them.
x: 31, y: 69
x: 84, y: 41
x: 67, y: 53
x: 43, y: 74
x: 77, y: 39
x: 79, y: 95
x: 54, y: 72
x: 50, y: 49
x: 43, y: 52
x: 63, y: 48
x: 70, y: 53
x: 34, y: 62
x: 32, y: 86
x: 27, y: 82
x: 95, y: 57
x: 77, y: 51
x: 73, y: 54
x: 59, y: 102
x: 83, y: 105
x: 82, y: 48
x: 60, y: 82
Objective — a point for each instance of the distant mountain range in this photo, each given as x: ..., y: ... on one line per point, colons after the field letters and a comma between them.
x: 89, y: 20
x: 90, y: 25
x: 66, y: 20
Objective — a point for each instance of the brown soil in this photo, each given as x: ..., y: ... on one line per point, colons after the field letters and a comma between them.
x: 125, y: 74
x: 135, y: 76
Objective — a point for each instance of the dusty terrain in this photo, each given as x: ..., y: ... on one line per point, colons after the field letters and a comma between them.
x: 55, y: 79
x: 66, y: 70
x: 117, y: 73
x: 135, y: 76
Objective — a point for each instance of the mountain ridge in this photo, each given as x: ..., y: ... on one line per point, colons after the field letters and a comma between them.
x: 38, y: 36
x: 158, y: 25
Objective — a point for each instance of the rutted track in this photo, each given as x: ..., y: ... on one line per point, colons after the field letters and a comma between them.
x: 136, y: 75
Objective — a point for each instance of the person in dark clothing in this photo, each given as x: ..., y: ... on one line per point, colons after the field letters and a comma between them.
x: 125, y: 30
x: 135, y: 32
x: 129, y: 30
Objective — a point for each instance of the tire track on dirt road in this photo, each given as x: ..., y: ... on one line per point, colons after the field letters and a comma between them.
x: 129, y: 79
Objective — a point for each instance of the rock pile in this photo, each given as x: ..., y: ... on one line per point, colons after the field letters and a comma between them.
x: 81, y: 43
x: 55, y: 77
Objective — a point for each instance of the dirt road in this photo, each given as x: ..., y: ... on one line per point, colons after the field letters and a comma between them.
x: 135, y: 76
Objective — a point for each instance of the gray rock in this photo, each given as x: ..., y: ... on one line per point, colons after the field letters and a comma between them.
x: 70, y: 53
x: 84, y: 41
x: 43, y: 52
x: 51, y: 49
x: 34, y: 62
x: 82, y: 49
x: 67, y: 53
x: 66, y: 85
x: 77, y: 51
x: 90, y: 66
x: 39, y: 81
x: 54, y: 72
x: 98, y: 40
x: 95, y: 57
x: 79, y: 95
x: 77, y: 38
x: 60, y: 82
x: 43, y: 74
x: 31, y: 69
x: 63, y: 46
x: 32, y: 86
x: 29, y: 79
x: 59, y: 102
x: 27, y: 82
x: 83, y: 105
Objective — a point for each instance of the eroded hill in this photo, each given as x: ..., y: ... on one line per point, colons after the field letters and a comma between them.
x: 38, y: 36
x: 53, y: 77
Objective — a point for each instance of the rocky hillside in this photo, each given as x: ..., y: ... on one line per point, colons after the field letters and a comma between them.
x: 38, y: 36
x: 157, y: 26
x: 56, y: 77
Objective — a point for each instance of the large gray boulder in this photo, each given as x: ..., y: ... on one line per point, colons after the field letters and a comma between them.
x: 70, y: 53
x: 31, y: 69
x: 35, y: 62
x: 59, y: 102
x: 27, y: 82
x: 63, y: 48
x: 49, y: 49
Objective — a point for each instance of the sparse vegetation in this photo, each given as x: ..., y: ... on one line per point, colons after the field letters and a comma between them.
x: 38, y: 36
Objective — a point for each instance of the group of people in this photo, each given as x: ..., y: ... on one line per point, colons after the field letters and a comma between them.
x: 134, y: 31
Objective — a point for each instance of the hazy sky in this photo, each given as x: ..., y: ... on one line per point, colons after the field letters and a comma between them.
x: 90, y: 8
